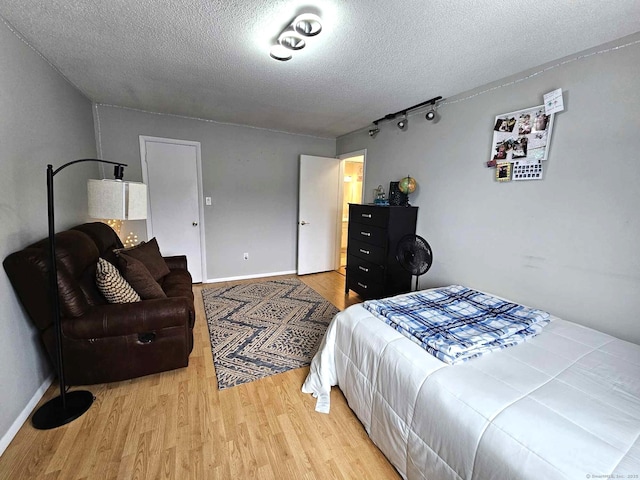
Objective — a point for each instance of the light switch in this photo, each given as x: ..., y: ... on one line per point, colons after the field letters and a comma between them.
x: 207, y: 200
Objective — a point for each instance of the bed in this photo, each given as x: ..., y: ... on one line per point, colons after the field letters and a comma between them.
x: 565, y: 404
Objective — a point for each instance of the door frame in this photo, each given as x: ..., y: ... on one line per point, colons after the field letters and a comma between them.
x: 343, y: 158
x: 145, y: 179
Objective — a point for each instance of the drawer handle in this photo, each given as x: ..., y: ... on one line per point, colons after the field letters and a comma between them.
x: 362, y: 285
x: 366, y: 252
x: 366, y: 234
x: 366, y: 215
x: 364, y: 269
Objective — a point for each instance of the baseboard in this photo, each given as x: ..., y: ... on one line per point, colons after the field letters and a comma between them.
x: 247, y: 277
x: 24, y: 415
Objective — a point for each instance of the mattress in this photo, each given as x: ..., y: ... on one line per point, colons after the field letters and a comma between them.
x: 563, y: 405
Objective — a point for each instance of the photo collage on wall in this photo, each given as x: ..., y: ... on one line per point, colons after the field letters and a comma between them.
x: 520, y: 144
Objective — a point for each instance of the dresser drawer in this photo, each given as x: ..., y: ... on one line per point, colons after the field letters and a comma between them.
x: 365, y: 288
x: 368, y: 234
x: 366, y: 251
x: 368, y: 215
x: 367, y: 270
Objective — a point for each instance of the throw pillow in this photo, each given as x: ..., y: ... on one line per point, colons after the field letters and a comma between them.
x: 111, y: 284
x: 149, y: 254
x: 139, y: 277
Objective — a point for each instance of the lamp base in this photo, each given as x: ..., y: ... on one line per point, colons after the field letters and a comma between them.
x: 52, y: 414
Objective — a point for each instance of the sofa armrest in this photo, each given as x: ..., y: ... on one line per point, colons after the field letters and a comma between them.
x: 176, y: 262
x: 113, y: 320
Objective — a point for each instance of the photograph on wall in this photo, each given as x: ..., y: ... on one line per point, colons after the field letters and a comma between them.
x: 522, y: 136
x: 503, y: 172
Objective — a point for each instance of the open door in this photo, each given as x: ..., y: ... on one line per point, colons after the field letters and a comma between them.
x: 319, y: 205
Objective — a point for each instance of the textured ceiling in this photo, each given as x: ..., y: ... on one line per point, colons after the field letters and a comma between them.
x: 210, y: 58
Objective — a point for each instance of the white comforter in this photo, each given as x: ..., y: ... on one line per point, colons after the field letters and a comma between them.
x: 565, y: 404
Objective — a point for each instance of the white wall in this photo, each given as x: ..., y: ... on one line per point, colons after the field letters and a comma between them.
x: 251, y: 174
x: 568, y: 243
x: 43, y: 120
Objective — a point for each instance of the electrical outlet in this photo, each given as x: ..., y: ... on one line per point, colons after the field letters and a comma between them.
x: 245, y: 255
x: 207, y: 200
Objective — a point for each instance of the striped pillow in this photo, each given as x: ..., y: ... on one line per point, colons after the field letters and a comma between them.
x: 112, y: 285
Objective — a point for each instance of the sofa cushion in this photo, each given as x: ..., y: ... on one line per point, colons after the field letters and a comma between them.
x: 149, y: 254
x: 178, y: 284
x: 112, y: 285
x: 105, y: 238
x: 139, y: 277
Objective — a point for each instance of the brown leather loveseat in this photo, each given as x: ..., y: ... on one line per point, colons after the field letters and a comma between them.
x: 104, y: 342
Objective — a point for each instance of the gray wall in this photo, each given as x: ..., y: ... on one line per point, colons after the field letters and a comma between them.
x: 43, y: 120
x: 251, y: 174
x: 568, y: 243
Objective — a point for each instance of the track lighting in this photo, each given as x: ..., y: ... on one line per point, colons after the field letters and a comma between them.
x: 402, y: 124
x: 293, y: 37
x: 404, y: 121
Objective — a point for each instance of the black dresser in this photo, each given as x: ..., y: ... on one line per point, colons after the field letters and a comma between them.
x: 374, y: 232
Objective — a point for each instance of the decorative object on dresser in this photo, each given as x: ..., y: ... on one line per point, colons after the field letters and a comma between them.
x: 396, y: 197
x: 374, y: 232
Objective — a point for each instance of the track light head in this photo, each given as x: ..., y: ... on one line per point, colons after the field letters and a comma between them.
x: 432, y: 115
x: 373, y: 132
x: 402, y: 124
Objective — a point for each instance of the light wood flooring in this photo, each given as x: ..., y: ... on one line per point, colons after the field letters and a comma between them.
x: 178, y: 425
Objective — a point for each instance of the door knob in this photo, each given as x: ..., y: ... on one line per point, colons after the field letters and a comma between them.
x: 304, y: 223
x: 195, y: 224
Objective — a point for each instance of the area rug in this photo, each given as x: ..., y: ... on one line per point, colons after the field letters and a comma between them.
x: 264, y: 328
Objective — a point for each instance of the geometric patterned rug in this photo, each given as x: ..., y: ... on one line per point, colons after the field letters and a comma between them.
x: 264, y: 328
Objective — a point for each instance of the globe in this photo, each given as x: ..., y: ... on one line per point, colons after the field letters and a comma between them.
x: 407, y: 185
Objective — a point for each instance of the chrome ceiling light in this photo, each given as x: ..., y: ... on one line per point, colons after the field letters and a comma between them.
x: 307, y: 24
x: 292, y: 40
x: 374, y: 131
x: 279, y: 52
x: 293, y: 37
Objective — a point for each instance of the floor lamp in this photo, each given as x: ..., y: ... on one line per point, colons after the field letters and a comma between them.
x: 120, y: 200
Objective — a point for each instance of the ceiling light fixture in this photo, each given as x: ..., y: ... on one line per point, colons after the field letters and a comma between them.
x: 402, y: 124
x: 280, y: 52
x: 431, y: 114
x: 404, y: 121
x: 292, y: 40
x: 293, y: 37
x: 307, y: 24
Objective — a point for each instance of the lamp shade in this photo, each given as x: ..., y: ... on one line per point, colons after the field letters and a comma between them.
x: 118, y: 200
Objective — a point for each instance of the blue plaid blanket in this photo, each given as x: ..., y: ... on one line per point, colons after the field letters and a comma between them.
x: 456, y: 323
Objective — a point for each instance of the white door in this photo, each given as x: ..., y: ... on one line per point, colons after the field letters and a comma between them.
x: 171, y: 169
x: 318, y: 213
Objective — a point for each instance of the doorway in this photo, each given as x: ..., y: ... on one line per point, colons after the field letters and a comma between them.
x: 352, y: 192
x: 173, y: 173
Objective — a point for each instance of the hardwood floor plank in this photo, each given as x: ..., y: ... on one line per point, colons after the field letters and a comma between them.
x: 178, y: 425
